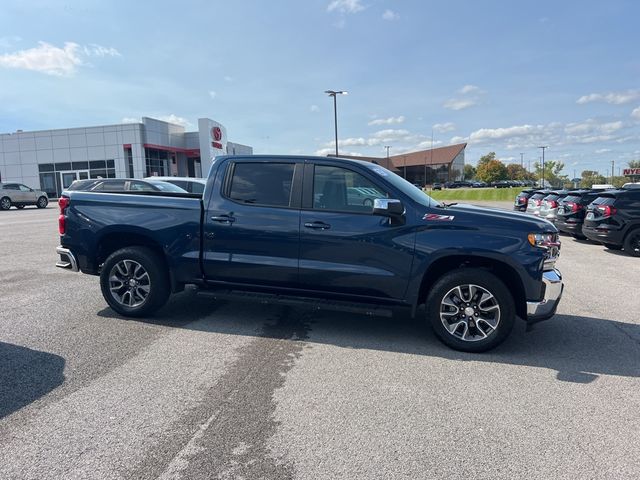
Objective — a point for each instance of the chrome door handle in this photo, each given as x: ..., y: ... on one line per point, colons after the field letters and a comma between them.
x: 223, y: 218
x: 317, y: 225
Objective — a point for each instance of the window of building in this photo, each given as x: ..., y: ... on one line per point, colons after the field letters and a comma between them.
x: 129, y: 156
x: 262, y: 183
x: 156, y: 162
x: 336, y: 188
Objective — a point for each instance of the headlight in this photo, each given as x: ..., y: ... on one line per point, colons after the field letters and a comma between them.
x: 548, y: 242
x: 544, y: 240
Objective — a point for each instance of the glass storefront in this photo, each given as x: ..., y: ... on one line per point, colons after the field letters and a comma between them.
x: 55, y: 177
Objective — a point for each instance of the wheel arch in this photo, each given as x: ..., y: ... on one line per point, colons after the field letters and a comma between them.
x: 114, y: 241
x: 501, y: 269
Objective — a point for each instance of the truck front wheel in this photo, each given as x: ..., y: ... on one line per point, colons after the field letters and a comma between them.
x: 135, y: 281
x: 470, y: 310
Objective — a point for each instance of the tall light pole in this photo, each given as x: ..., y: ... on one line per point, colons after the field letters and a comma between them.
x: 522, y: 160
x: 334, y: 93
x: 613, y: 167
x: 387, y: 147
x: 543, y: 149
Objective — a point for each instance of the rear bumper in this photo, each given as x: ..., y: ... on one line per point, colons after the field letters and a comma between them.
x: 568, y: 227
x: 546, y: 308
x: 603, y: 235
x: 67, y: 259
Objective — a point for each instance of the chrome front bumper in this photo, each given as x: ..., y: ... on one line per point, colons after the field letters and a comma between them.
x: 546, y: 308
x: 67, y: 259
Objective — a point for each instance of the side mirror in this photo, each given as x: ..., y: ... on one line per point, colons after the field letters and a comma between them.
x: 388, y: 207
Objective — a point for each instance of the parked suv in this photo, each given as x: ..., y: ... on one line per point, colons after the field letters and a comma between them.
x: 613, y: 219
x: 522, y: 199
x: 550, y: 203
x: 18, y: 195
x: 535, y: 201
x: 572, y: 210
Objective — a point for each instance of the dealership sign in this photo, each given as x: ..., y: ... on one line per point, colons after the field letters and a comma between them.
x: 631, y: 172
x: 216, y: 135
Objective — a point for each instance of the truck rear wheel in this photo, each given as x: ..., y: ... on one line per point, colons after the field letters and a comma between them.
x: 470, y: 310
x: 632, y: 243
x: 135, y: 281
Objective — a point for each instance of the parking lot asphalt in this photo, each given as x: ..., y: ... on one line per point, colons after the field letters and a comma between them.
x: 230, y: 389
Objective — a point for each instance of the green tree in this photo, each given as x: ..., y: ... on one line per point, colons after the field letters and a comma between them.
x: 491, y: 171
x: 487, y: 158
x: 469, y: 172
x: 634, y: 163
x: 589, y: 177
x: 516, y: 172
x: 552, y: 172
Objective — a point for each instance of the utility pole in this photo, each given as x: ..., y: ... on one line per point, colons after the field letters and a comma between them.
x: 543, y: 149
x: 613, y: 166
x: 521, y: 160
x: 387, y: 147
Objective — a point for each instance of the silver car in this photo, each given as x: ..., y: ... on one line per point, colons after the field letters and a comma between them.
x: 19, y: 195
x: 190, y: 184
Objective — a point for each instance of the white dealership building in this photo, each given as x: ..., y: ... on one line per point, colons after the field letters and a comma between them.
x: 50, y: 160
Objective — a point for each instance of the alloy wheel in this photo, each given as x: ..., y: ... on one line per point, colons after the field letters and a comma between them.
x: 470, y: 312
x: 129, y: 283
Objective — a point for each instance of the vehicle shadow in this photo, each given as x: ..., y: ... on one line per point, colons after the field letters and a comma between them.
x: 579, y: 349
x: 26, y: 375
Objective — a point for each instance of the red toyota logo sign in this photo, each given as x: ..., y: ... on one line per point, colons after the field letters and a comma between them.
x: 216, y: 134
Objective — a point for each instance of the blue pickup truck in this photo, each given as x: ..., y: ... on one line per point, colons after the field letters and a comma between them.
x: 329, y: 229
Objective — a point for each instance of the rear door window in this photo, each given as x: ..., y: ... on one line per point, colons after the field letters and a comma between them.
x: 340, y: 189
x: 196, y: 187
x: 266, y: 184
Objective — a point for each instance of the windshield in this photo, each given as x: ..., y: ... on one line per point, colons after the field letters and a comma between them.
x: 401, y: 184
x: 167, y: 187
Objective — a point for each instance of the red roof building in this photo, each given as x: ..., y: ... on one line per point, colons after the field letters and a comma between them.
x: 424, y: 167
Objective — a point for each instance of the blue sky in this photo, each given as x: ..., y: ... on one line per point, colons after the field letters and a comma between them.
x: 504, y: 76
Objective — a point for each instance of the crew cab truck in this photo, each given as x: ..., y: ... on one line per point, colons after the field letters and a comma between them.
x: 288, y: 227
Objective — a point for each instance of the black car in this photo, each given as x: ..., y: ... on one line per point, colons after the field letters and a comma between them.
x: 501, y: 184
x: 124, y: 185
x: 522, y: 199
x: 613, y: 219
x: 458, y: 184
x: 572, y: 210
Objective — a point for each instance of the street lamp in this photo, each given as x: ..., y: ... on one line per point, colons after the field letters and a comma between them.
x: 333, y: 93
x: 543, y: 149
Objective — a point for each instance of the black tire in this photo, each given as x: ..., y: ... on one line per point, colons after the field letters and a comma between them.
x: 5, y: 203
x: 485, y: 281
x: 125, y: 299
x: 612, y: 246
x: 577, y: 236
x: 367, y: 202
x: 632, y: 243
x: 19, y: 207
x: 42, y: 202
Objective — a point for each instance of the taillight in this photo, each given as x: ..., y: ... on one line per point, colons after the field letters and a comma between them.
x: 606, y: 210
x: 574, y: 206
x: 522, y: 200
x: 553, y: 204
x: 63, y: 203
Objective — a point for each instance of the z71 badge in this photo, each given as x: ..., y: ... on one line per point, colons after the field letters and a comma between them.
x: 440, y: 218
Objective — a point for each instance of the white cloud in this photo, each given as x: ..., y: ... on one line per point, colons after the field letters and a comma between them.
x: 614, y: 98
x: 457, y: 139
x: 52, y: 60
x: 636, y: 113
x: 130, y: 120
x: 345, y: 6
x: 459, y: 103
x: 390, y: 15
x: 213, y: 94
x: 227, y: 78
x: 323, y: 152
x: 172, y: 118
x: 314, y: 108
x: 467, y: 89
x: 45, y: 58
x: 485, y: 134
x: 387, y: 121
x: 444, y: 127
x: 94, y: 50
x: 603, y: 150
